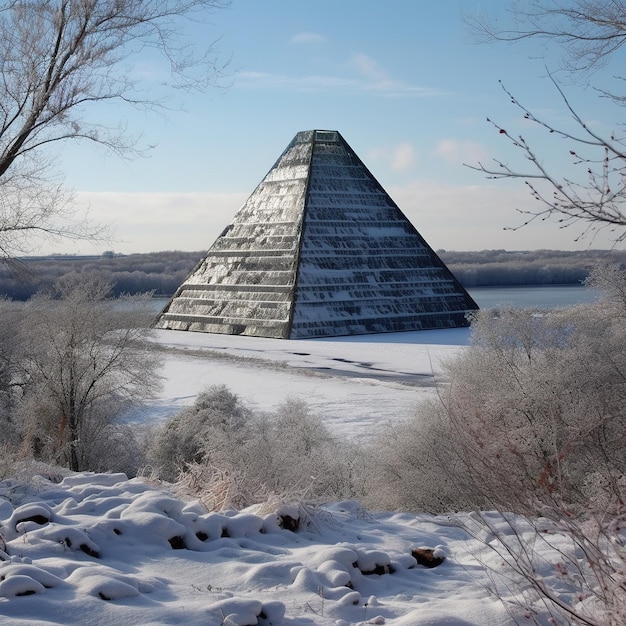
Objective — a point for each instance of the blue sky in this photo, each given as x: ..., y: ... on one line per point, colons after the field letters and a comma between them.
x: 403, y: 82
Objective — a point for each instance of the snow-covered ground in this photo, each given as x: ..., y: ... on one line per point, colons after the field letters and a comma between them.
x: 353, y: 383
x: 97, y: 549
x: 101, y: 549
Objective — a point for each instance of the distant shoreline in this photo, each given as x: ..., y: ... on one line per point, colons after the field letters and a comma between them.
x: 163, y: 272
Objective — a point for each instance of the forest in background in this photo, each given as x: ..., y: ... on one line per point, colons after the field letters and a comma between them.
x: 163, y: 272
x: 502, y: 268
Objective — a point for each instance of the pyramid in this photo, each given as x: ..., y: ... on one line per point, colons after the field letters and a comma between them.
x: 319, y: 249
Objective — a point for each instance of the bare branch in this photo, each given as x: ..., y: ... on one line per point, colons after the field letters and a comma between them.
x: 596, y: 198
x: 588, y: 32
x: 58, y: 60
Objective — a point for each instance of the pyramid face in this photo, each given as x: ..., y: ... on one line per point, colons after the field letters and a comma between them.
x: 319, y: 249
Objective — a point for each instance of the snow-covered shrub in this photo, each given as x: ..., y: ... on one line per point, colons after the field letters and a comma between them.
x: 533, y: 421
x: 532, y: 416
x: 538, y: 402
x: 241, y: 457
x: 409, y: 467
x: 300, y: 453
x: 212, y: 430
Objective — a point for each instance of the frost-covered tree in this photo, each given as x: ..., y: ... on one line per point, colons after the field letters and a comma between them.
x: 285, y: 453
x: 83, y: 358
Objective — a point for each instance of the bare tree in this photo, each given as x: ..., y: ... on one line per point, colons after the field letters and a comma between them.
x: 588, y: 32
x: 58, y: 60
x: 84, y: 357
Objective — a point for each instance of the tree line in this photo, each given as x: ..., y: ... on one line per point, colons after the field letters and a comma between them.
x: 501, y: 268
x: 157, y: 272
x: 163, y: 272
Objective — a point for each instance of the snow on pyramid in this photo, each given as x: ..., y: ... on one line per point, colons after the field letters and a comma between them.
x: 319, y: 249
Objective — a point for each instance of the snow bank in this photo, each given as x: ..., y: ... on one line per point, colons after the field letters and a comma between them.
x: 101, y: 549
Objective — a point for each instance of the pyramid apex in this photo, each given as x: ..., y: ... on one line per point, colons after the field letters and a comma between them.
x: 318, y: 135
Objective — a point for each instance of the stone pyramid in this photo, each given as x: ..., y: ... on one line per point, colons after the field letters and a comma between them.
x: 319, y: 249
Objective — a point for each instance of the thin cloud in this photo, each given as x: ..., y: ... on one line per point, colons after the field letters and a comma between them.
x: 376, y: 79
x: 332, y: 83
x: 457, y: 152
x: 403, y: 157
x: 400, y: 158
x: 361, y: 75
x: 264, y: 80
x: 300, y: 38
x: 369, y: 68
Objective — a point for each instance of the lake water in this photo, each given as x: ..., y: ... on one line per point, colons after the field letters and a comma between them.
x: 541, y: 297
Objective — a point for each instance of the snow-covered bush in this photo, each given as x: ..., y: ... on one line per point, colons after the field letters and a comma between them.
x: 409, y: 466
x: 532, y: 420
x: 532, y: 416
x: 212, y: 430
x: 538, y: 402
x: 300, y: 454
x: 218, y: 445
